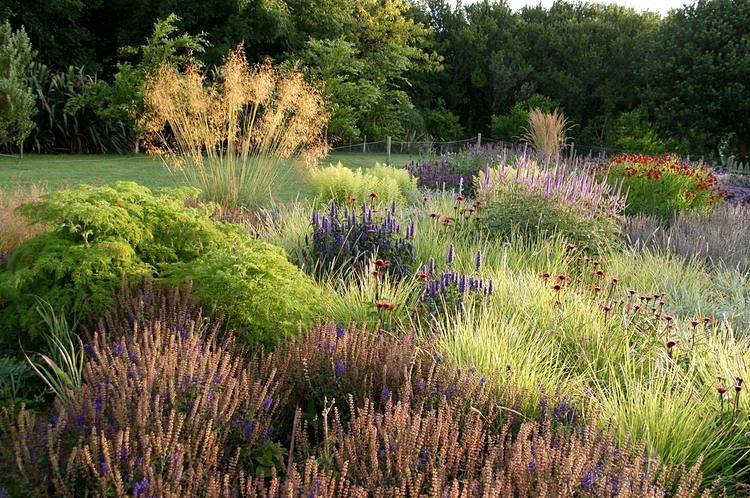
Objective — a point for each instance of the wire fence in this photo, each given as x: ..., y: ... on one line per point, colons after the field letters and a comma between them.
x: 428, y: 148
x: 431, y: 148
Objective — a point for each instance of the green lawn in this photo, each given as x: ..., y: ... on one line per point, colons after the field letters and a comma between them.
x: 53, y: 172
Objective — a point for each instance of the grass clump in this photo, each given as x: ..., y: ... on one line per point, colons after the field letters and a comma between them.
x: 721, y: 238
x: 546, y: 131
x: 344, y: 185
x: 233, y: 138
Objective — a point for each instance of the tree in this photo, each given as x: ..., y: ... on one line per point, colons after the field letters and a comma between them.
x: 586, y: 56
x: 17, y: 105
x: 697, y: 75
x: 365, y: 69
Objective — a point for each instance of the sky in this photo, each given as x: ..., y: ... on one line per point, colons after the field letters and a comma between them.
x: 658, y: 6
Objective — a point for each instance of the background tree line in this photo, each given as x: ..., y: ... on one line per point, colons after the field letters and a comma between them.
x: 414, y: 69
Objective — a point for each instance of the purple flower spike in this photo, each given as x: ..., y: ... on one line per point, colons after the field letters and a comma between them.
x: 338, y: 372
x: 267, y: 404
x: 478, y: 263
x: 451, y: 253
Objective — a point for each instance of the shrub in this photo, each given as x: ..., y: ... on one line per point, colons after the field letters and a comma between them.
x: 442, y: 124
x: 342, y: 242
x: 77, y: 113
x: 252, y: 287
x: 633, y: 131
x: 167, y: 409
x: 510, y: 126
x: 105, y: 235
x: 102, y: 236
x: 529, y: 216
x: 340, y: 183
x: 557, y: 197
x: 18, y: 106
x: 661, y: 186
x: 230, y: 139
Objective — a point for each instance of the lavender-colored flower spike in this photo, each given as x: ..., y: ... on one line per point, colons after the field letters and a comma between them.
x: 431, y: 266
x: 451, y: 253
x: 478, y: 264
x: 490, y: 288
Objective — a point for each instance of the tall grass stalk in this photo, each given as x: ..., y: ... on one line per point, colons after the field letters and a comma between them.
x: 14, y: 228
x: 234, y: 137
x: 62, y: 368
x: 547, y: 132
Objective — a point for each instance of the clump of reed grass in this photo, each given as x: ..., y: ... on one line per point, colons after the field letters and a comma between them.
x: 546, y: 132
x: 15, y: 228
x: 721, y: 238
x: 233, y: 137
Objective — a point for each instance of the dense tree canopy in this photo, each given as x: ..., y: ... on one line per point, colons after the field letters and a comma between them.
x: 407, y: 68
x: 697, y: 76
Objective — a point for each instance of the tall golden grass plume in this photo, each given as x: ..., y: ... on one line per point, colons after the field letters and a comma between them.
x: 14, y: 228
x: 232, y: 137
x: 547, y: 132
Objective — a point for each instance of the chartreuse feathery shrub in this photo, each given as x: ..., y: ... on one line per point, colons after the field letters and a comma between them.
x: 253, y: 288
x: 103, y: 237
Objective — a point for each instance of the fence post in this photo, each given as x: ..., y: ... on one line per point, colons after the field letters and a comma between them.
x: 364, y: 145
x: 479, y: 139
x: 388, y: 150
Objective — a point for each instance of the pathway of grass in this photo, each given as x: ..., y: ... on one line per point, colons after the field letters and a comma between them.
x: 52, y: 172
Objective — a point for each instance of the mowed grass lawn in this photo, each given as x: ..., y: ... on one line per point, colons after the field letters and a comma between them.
x: 52, y: 172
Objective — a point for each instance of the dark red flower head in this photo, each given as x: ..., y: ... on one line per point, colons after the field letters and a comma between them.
x: 373, y: 196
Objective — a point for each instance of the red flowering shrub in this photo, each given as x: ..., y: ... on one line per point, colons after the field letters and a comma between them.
x: 663, y: 185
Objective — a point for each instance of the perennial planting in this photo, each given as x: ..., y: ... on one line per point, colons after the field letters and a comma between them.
x: 507, y: 330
